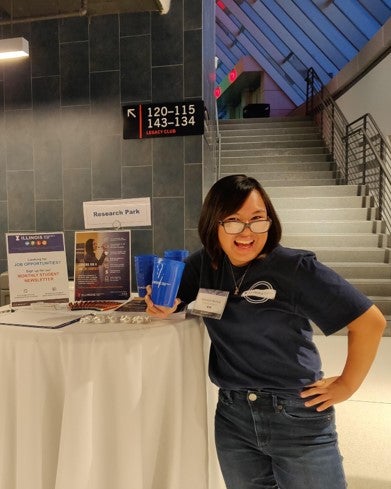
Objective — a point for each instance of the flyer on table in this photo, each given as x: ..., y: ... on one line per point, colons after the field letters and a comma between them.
x: 37, y: 268
x: 102, y: 265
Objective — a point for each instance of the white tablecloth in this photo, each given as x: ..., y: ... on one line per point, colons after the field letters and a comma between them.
x: 103, y: 407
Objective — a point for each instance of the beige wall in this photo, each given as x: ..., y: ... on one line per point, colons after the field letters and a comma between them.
x: 372, y: 94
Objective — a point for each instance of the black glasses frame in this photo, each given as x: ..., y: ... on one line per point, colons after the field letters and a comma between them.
x: 247, y: 225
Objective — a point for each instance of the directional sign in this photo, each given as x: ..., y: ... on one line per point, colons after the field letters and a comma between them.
x: 163, y: 120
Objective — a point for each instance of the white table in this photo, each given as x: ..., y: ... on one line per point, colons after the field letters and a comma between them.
x: 104, y: 407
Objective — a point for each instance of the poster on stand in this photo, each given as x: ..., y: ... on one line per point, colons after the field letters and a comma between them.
x: 37, y: 268
x: 102, y: 265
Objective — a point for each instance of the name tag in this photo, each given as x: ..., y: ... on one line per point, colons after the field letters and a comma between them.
x: 210, y: 303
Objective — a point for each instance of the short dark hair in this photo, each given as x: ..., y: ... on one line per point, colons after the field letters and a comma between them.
x: 224, y: 198
x: 89, y: 246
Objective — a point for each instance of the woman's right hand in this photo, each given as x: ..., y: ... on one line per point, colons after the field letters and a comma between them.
x: 158, y: 311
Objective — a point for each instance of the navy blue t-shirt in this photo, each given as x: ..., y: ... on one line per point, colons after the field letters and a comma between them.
x: 264, y: 338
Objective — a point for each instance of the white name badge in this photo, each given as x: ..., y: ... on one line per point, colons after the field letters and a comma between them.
x: 210, y: 303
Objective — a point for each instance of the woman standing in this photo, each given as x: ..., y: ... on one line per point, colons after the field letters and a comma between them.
x: 274, y: 424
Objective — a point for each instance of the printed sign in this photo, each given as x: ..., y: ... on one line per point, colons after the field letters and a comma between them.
x: 163, y: 120
x: 117, y: 213
x: 37, y: 268
x: 102, y: 265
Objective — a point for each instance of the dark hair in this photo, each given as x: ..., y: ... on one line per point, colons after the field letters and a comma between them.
x: 89, y: 246
x: 226, y: 197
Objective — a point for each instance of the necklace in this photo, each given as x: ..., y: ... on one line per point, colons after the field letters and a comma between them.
x: 238, y: 283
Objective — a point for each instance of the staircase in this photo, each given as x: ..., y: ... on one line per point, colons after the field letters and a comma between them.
x: 338, y: 222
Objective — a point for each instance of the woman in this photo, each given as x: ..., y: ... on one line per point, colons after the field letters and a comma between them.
x: 274, y: 423
x: 90, y: 258
x: 92, y: 264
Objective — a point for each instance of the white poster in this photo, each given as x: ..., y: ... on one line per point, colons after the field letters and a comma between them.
x: 37, y: 268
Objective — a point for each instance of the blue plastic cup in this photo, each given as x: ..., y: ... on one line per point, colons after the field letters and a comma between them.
x: 143, y: 265
x: 179, y: 255
x: 166, y: 278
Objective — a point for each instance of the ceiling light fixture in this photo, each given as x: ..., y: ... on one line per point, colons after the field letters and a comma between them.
x: 17, y: 47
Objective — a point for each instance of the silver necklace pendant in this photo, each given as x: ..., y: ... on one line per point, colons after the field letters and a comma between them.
x: 239, y: 283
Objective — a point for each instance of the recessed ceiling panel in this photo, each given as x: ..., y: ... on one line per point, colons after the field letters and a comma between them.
x: 286, y: 37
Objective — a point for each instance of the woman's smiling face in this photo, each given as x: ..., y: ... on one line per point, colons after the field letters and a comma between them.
x: 243, y: 247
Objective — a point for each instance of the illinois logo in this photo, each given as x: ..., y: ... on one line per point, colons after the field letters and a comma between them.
x: 259, y: 292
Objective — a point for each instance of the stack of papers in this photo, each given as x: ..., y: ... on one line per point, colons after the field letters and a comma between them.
x: 50, y: 319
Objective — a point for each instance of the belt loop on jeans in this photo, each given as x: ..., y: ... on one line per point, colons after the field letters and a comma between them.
x: 277, y: 404
x: 227, y: 393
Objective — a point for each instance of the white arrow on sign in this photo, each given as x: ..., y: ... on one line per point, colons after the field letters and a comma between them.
x: 131, y: 113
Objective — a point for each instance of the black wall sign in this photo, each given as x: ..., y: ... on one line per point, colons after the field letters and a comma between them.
x: 163, y: 120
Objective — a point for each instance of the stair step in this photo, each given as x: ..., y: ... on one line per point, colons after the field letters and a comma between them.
x: 312, y: 240
x: 344, y: 331
x: 354, y: 254
x: 252, y: 137
x: 320, y: 202
x: 383, y: 303
x: 333, y: 227
x: 373, y: 287
x: 280, y: 169
x: 292, y: 178
x: 259, y: 150
x: 350, y: 270
x: 281, y: 158
x: 306, y: 215
x: 324, y: 191
x: 387, y: 331
x: 259, y: 147
x: 313, y: 182
x: 268, y: 131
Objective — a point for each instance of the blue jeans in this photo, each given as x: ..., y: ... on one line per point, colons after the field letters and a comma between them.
x: 264, y: 442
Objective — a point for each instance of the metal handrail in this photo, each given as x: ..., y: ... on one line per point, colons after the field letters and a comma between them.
x: 360, y: 152
x: 218, y: 143
x: 212, y: 137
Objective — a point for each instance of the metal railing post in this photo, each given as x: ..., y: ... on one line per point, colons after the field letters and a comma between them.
x: 346, y: 154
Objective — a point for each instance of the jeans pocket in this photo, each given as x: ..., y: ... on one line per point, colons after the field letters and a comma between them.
x: 299, y: 412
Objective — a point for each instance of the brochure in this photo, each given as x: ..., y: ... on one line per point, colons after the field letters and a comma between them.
x: 102, y: 266
x: 37, y: 268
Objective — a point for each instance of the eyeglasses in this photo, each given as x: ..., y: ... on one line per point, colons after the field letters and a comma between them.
x: 236, y: 227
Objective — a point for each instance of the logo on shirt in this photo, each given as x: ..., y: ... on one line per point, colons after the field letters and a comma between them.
x: 259, y: 292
